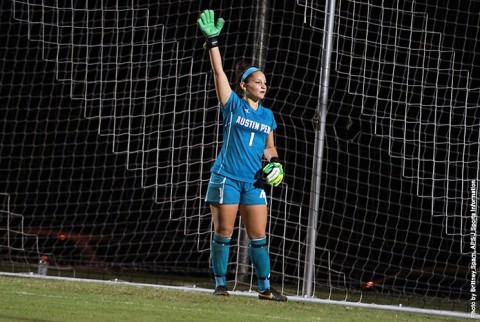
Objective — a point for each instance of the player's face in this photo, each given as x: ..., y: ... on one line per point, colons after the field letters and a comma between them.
x: 256, y: 86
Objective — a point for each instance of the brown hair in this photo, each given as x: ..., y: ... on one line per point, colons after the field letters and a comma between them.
x: 240, y: 67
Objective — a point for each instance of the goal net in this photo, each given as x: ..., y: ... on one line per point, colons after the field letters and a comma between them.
x: 111, y: 124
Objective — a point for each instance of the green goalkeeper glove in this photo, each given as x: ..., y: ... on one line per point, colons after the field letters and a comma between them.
x: 206, y: 22
x: 274, y: 172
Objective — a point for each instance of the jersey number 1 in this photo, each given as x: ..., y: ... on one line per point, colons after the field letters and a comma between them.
x: 251, y: 138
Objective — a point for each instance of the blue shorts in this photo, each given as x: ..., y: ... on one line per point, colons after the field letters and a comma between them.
x: 225, y: 191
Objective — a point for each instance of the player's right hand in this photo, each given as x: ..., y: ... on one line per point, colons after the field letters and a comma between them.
x: 206, y: 22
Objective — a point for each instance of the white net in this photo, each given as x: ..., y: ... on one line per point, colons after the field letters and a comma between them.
x: 112, y: 125
x: 406, y: 132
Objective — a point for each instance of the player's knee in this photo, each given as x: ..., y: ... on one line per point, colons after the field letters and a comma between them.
x: 224, y: 232
x: 256, y: 234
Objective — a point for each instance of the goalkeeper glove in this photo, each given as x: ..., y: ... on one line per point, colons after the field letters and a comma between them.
x: 206, y: 22
x: 274, y: 172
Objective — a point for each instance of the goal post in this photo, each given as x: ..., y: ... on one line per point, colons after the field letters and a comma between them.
x: 320, y: 123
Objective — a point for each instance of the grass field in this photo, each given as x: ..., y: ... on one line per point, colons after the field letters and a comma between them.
x: 38, y: 299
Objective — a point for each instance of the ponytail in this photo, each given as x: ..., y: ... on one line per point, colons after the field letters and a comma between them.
x: 240, y: 67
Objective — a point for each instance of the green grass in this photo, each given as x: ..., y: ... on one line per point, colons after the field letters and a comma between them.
x: 26, y: 298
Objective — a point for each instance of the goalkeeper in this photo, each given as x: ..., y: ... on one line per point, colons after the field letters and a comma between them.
x: 233, y: 187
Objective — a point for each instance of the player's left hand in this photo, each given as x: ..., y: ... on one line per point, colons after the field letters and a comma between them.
x: 274, y: 172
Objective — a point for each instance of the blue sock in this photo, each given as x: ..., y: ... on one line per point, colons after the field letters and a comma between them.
x: 257, y: 249
x: 219, y: 251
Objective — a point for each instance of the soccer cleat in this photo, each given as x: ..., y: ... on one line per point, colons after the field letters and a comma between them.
x: 270, y: 294
x: 221, y: 290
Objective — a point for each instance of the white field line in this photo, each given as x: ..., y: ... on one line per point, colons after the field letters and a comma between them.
x: 254, y: 294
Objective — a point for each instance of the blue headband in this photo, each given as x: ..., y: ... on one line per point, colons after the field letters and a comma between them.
x: 248, y: 72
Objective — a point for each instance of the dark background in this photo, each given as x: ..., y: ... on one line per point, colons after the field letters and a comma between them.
x: 85, y: 197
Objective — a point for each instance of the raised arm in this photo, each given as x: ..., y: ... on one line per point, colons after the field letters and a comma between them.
x: 221, y: 81
x: 206, y: 22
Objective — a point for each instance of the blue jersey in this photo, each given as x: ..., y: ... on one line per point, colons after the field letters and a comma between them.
x: 245, y: 133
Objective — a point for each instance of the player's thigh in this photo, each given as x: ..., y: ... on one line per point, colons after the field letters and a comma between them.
x: 254, y: 218
x: 224, y: 219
